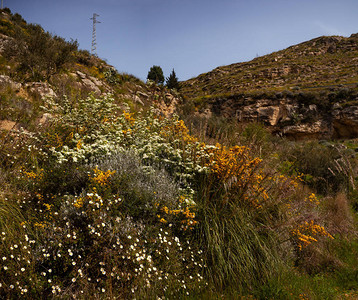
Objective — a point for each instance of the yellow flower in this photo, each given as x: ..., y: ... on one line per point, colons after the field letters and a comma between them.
x: 78, y: 203
x: 79, y: 145
x: 101, y: 177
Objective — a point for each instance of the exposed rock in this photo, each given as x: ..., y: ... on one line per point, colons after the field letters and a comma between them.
x: 345, y: 123
x: 289, y: 117
x: 81, y: 75
x: 206, y: 113
x: 126, y: 97
x: 91, y: 85
x: 316, y: 130
x: 136, y: 99
x: 142, y: 94
x: 168, y: 105
x: 45, y: 119
x: 42, y: 88
x: 96, y: 81
x: 6, y: 80
x: 270, y: 114
x: 8, y: 125
x: 312, y: 107
x: 4, y: 39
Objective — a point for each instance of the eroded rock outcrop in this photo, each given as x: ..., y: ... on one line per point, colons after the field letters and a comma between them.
x: 345, y: 122
x: 288, y: 116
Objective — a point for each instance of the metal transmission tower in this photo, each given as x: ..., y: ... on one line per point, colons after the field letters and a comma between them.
x: 94, y: 42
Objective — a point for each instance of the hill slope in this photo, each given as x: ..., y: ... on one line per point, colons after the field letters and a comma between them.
x: 103, y: 198
x: 35, y: 64
x: 323, y: 61
x: 302, y: 91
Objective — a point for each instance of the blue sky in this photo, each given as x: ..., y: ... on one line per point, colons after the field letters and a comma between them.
x: 191, y: 36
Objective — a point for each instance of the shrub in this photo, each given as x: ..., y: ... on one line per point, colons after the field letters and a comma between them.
x: 327, y: 167
x: 38, y: 53
x: 156, y: 74
x: 172, y: 81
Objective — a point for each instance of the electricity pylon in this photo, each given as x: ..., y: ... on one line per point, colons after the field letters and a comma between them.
x: 94, y: 42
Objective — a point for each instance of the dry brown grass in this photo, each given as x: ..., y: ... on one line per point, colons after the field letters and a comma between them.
x: 338, y: 215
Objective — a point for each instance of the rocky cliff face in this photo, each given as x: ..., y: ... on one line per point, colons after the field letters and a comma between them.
x: 288, y: 116
x: 306, y: 91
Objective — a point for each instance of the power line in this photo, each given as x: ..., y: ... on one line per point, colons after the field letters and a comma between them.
x: 94, y: 42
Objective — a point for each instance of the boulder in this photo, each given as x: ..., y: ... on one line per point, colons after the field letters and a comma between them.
x: 41, y: 88
x: 316, y: 130
x: 137, y: 100
x: 6, y: 80
x: 144, y: 95
x: 81, y: 75
x: 8, y: 125
x: 91, y: 85
x: 45, y: 119
x: 345, y: 122
x: 269, y: 114
x: 4, y: 39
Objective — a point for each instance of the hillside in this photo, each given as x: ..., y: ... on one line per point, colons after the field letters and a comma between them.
x: 316, y: 64
x: 35, y: 65
x: 107, y: 194
x: 305, y: 91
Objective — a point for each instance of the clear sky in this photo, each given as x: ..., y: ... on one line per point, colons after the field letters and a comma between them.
x: 191, y: 36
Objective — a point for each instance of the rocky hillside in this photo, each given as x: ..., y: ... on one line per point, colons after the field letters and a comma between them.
x: 305, y: 91
x: 35, y: 65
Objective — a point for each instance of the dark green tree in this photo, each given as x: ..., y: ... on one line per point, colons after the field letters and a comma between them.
x: 156, y: 74
x: 172, y: 81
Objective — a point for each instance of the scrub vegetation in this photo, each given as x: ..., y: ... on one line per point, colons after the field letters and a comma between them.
x: 108, y: 200
x: 120, y: 204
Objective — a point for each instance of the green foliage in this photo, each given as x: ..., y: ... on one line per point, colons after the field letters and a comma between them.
x: 156, y: 74
x: 327, y: 167
x: 6, y: 10
x: 172, y: 81
x: 38, y: 53
x: 256, y: 136
x: 7, y: 27
x: 111, y: 76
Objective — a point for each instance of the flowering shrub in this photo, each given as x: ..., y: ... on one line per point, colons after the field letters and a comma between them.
x: 308, y: 233
x: 92, y: 245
